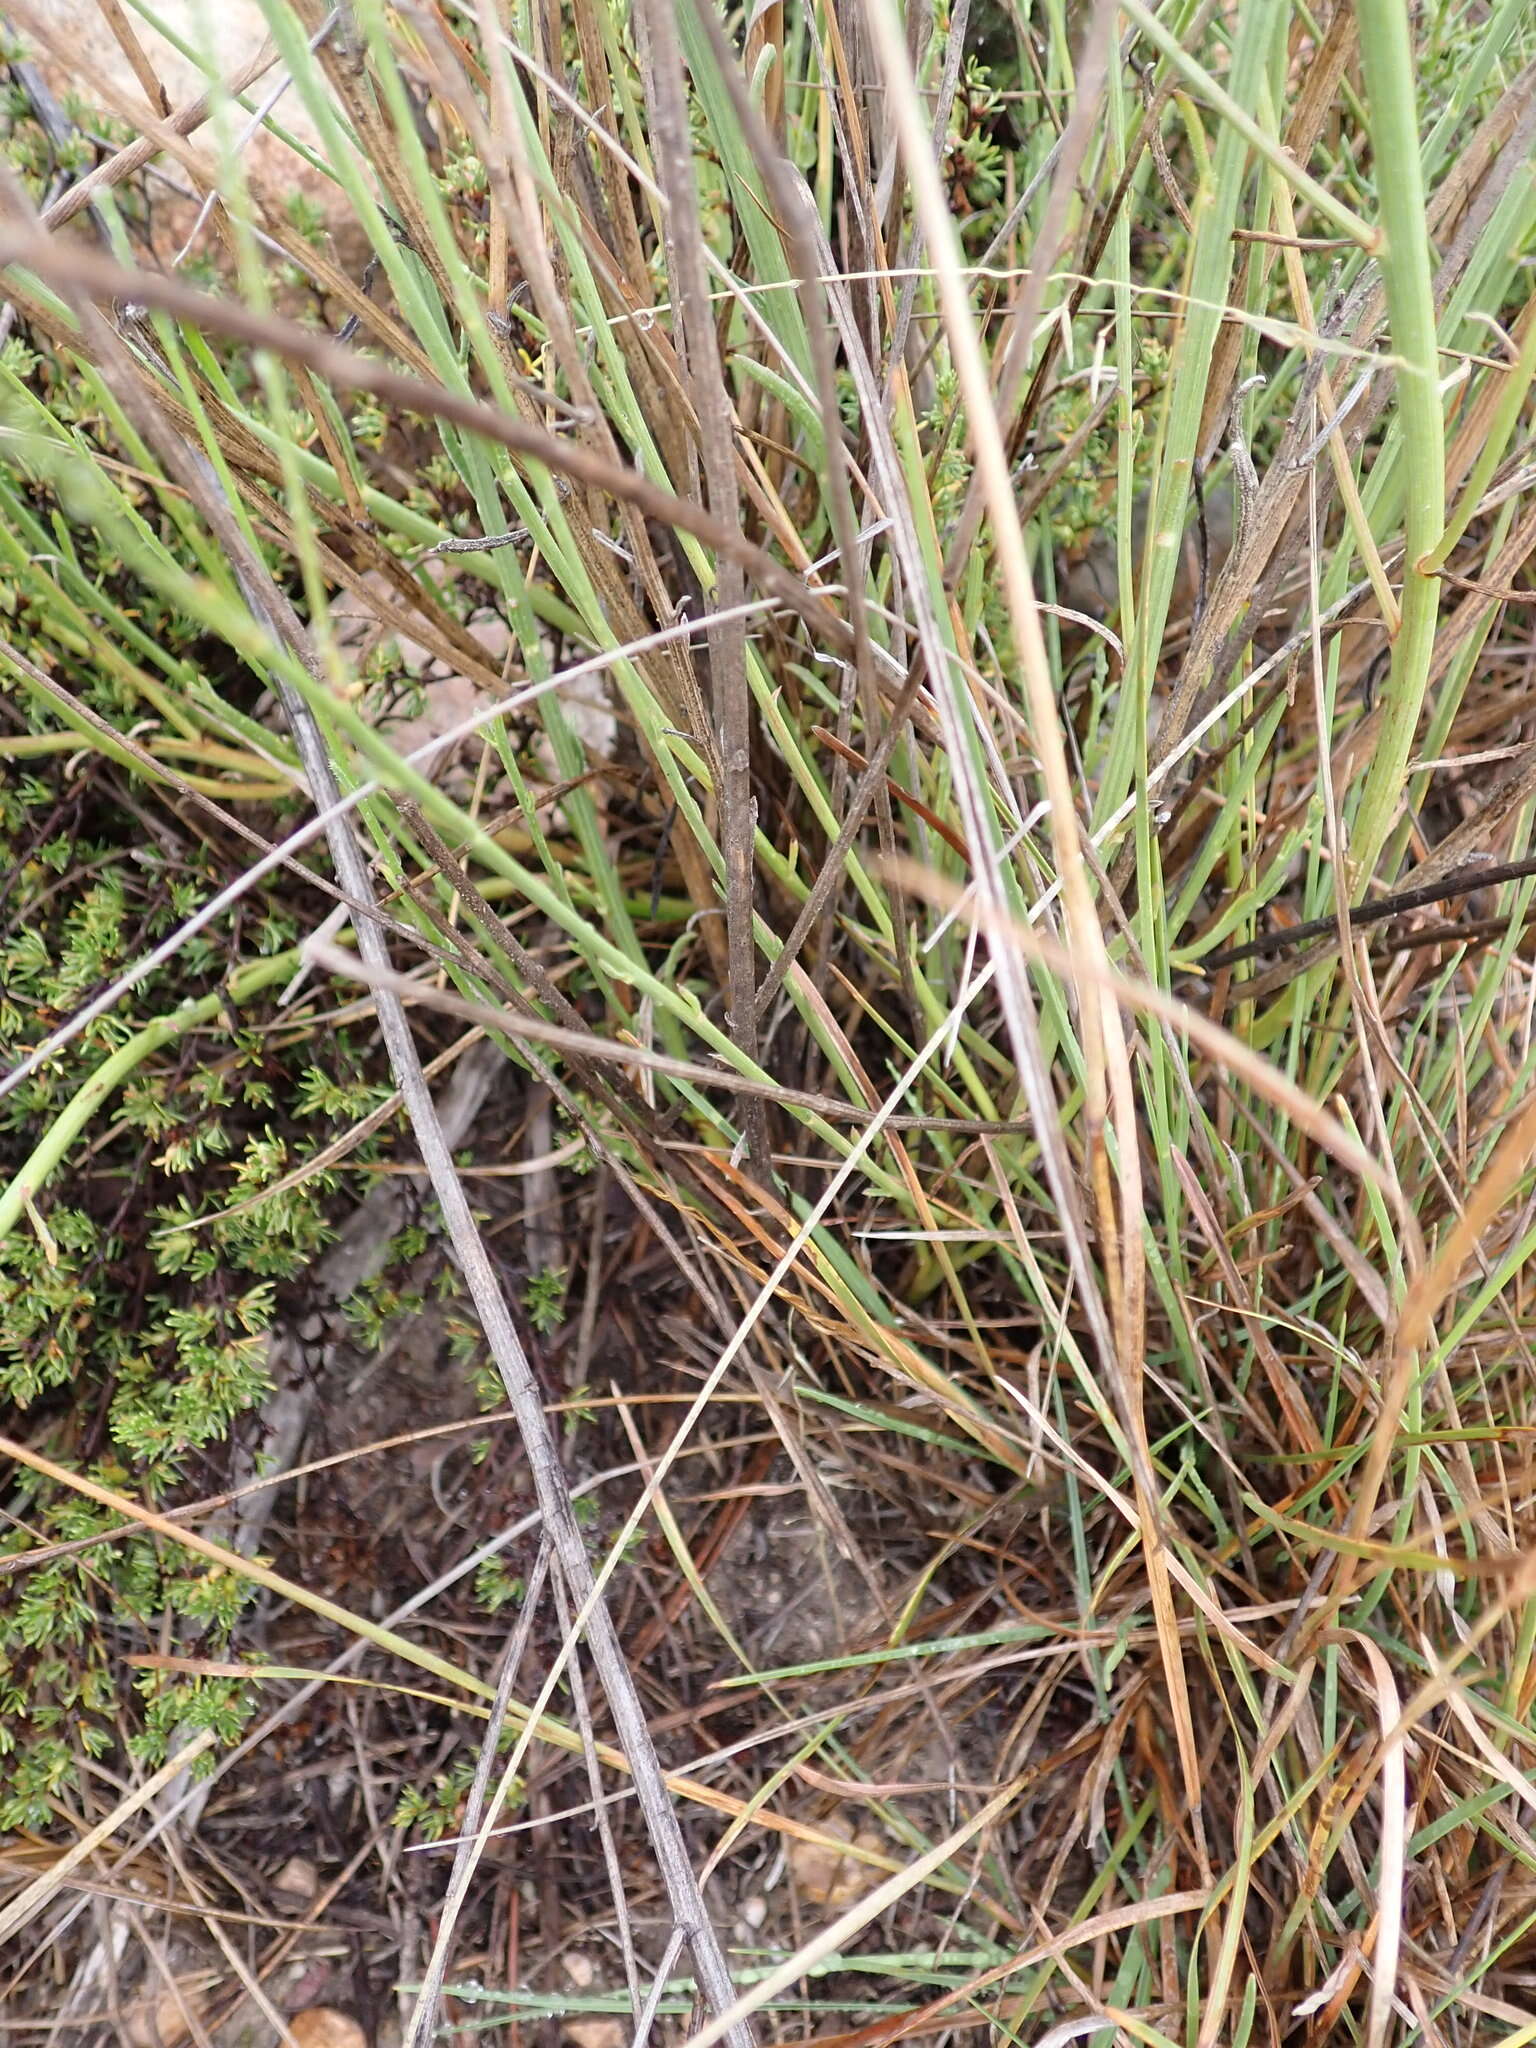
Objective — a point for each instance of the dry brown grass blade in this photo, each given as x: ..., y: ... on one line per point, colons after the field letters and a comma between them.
x: 1268, y: 521
x: 798, y: 223
x: 913, y: 2026
x: 699, y: 346
x: 1495, y: 1186
x: 1130, y: 1513
x: 830, y: 873
x: 1220, y: 1044
x: 18, y: 1912
x: 1433, y: 1286
x: 1301, y: 1429
x: 70, y: 268
x: 335, y: 961
x: 213, y: 1504
x: 1120, y: 1337
x: 127, y: 162
x: 481, y: 1807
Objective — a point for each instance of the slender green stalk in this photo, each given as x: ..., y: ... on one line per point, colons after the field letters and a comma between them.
x: 1386, y: 47
x: 51, y: 1149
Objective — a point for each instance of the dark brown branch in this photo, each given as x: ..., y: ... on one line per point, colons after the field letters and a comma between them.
x: 1476, y: 875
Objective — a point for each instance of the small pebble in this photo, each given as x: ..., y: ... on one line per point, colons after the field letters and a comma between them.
x: 594, y: 2033
x: 298, y: 1879
x: 322, y: 2026
x: 160, y: 2021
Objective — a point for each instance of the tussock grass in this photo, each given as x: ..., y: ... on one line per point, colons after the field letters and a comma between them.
x: 1040, y: 537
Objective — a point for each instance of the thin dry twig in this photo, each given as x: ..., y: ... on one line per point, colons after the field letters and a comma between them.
x: 481, y: 1808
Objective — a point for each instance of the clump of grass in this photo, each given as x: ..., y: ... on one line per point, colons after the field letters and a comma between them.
x: 881, y: 936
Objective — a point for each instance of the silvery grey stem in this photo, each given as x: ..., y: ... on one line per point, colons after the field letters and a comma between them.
x: 683, y: 1891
